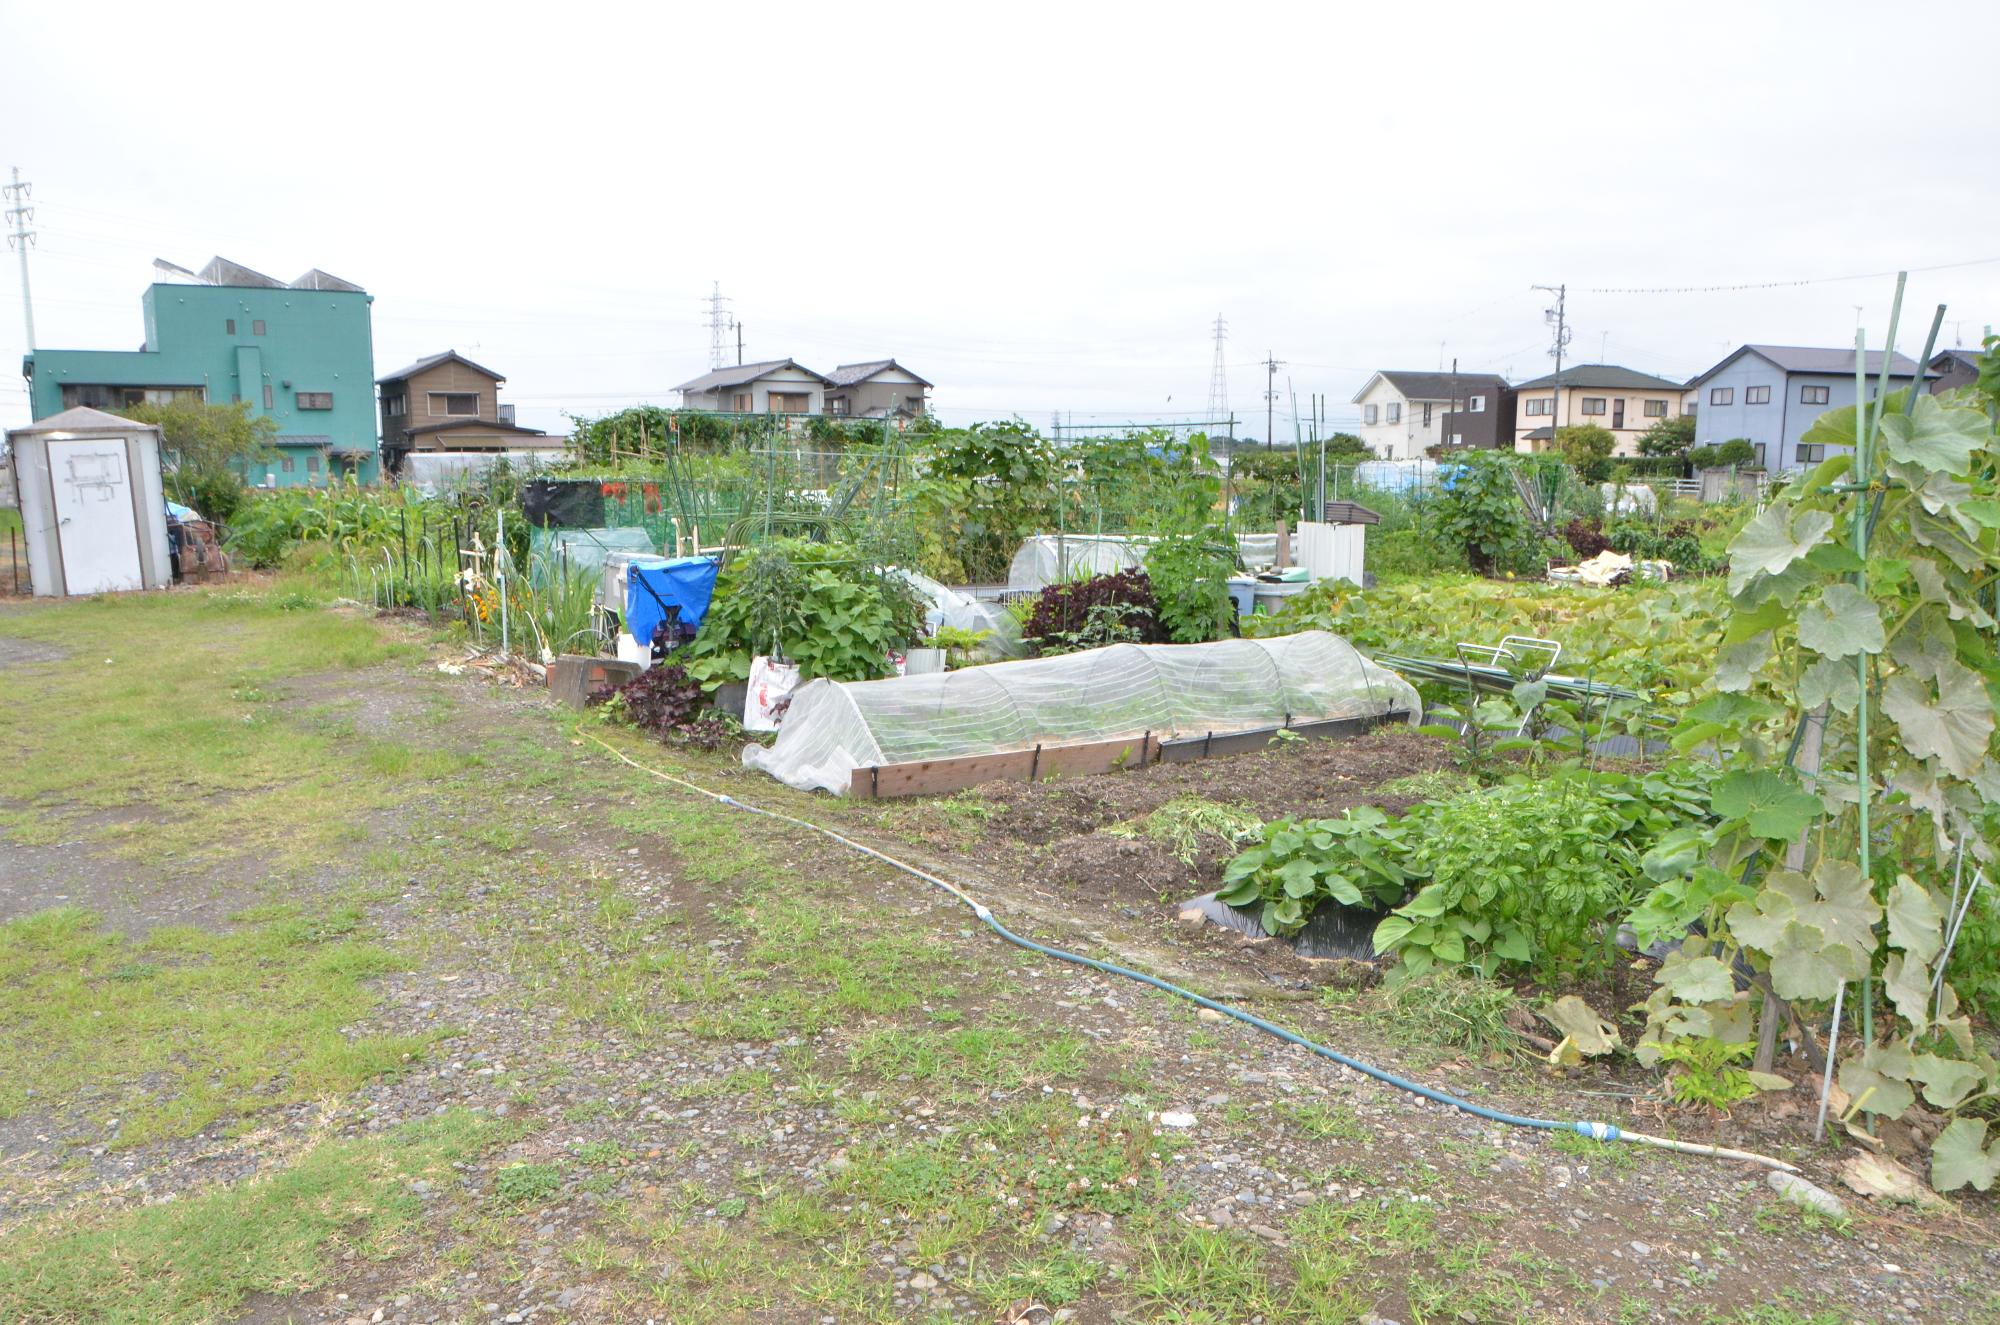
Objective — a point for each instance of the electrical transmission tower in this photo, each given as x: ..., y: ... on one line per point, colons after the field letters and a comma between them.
x: 19, y: 213
x: 1218, y: 380
x: 717, y: 326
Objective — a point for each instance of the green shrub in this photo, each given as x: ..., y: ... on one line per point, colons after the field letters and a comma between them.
x: 1479, y: 510
x: 1413, y: 553
x: 1296, y: 864
x: 1587, y: 447
x: 1533, y: 874
x: 1190, y: 578
x: 819, y: 605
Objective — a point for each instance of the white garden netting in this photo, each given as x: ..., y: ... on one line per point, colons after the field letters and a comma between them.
x: 1170, y: 690
x: 1047, y: 559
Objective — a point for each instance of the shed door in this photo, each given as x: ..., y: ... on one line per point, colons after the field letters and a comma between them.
x: 95, y: 523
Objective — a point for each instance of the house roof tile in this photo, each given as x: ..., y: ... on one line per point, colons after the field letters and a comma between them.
x: 1609, y: 376
x: 432, y: 361
x: 1814, y: 359
x: 850, y: 374
x: 738, y: 374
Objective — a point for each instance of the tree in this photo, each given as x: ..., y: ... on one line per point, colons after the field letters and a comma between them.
x: 1348, y: 447
x: 1736, y: 453
x: 208, y: 450
x: 1668, y: 437
x: 1587, y: 447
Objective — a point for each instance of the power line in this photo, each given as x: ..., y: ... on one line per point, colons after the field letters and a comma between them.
x: 1777, y: 285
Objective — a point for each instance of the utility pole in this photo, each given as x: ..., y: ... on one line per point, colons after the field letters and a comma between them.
x: 18, y: 239
x: 739, y: 341
x: 1218, y: 379
x: 716, y: 324
x: 1446, y: 430
x: 1557, y: 318
x: 1272, y: 363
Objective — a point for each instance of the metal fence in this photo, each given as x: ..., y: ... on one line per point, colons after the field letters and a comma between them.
x: 14, y: 562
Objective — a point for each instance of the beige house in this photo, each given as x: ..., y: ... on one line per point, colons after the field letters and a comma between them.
x: 776, y: 386
x: 875, y: 390
x: 1621, y: 399
x: 446, y: 402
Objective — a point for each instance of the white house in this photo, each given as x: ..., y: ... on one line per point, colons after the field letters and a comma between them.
x: 1403, y: 413
x: 777, y: 386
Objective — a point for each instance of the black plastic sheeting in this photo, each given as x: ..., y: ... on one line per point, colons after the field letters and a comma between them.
x: 1332, y: 930
x: 563, y: 503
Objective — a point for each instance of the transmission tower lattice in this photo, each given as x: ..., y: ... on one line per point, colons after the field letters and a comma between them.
x: 1218, y: 379
x: 717, y: 325
x: 19, y: 237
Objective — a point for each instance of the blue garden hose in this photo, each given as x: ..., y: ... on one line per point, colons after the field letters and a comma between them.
x: 1596, y: 1131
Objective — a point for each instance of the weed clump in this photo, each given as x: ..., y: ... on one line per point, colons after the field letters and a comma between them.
x: 1469, y: 1013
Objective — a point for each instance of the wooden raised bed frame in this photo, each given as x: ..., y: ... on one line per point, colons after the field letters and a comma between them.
x: 936, y: 777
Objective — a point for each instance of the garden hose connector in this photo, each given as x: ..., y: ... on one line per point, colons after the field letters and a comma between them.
x: 1597, y: 1131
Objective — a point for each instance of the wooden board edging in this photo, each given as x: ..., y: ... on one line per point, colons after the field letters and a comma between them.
x: 933, y: 777
x: 1183, y: 749
x: 930, y: 777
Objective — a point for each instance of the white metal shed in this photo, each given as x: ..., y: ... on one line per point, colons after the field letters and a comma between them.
x: 92, y: 506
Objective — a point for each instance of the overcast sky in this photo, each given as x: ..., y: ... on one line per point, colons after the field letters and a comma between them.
x: 1039, y: 208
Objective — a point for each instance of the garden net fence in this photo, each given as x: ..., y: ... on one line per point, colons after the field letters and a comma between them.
x: 1126, y: 690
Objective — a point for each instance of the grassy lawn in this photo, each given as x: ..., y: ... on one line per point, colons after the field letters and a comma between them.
x: 198, y: 1259
x: 485, y: 983
x: 181, y: 1028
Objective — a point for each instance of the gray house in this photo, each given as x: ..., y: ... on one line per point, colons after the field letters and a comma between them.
x: 777, y: 386
x: 875, y: 390
x: 1771, y: 394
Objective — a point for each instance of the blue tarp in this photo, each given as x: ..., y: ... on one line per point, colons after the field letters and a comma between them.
x: 182, y: 513
x: 685, y: 582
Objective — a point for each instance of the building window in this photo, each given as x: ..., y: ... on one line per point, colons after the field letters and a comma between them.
x: 257, y: 327
x: 285, y: 463
x: 1812, y: 395
x: 315, y: 399
x: 1458, y: 439
x: 1722, y: 395
x: 270, y: 401
x: 788, y: 402
x: 1593, y: 404
x: 1538, y: 405
x: 1368, y: 413
x: 1655, y: 409
x: 229, y: 326
x: 398, y: 405
x: 1760, y: 455
x: 1811, y: 453
x: 1395, y: 411
x: 459, y: 403
x: 312, y: 464
x: 1477, y: 405
x: 838, y: 405
x: 1427, y: 414
x: 1756, y: 395
x: 740, y: 402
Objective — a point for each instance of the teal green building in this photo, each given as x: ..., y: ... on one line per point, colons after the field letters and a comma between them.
x: 302, y: 353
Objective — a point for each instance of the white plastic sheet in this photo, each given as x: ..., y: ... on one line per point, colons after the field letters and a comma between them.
x: 835, y: 727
